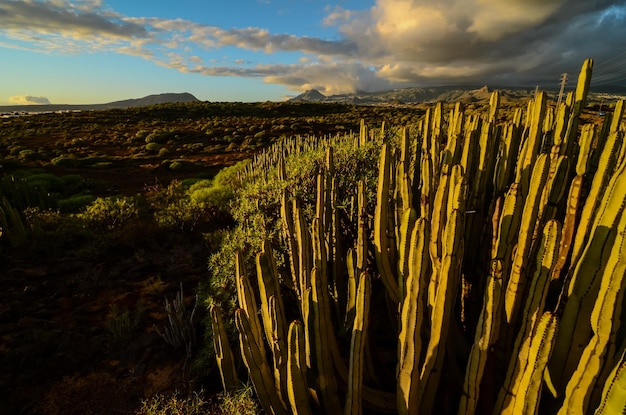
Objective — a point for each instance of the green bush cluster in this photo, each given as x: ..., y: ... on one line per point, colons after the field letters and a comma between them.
x: 110, y: 212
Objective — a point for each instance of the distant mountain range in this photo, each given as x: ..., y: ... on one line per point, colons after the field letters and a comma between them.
x: 128, y: 103
x: 445, y: 94
x: 466, y: 95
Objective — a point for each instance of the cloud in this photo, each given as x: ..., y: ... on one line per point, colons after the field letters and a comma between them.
x: 83, y: 19
x: 443, y: 41
x: 395, y: 43
x: 28, y: 100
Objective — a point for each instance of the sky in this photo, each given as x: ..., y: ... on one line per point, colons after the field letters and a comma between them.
x: 98, y: 51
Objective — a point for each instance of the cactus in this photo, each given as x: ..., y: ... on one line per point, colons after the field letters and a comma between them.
x: 488, y: 235
x: 515, y: 285
x: 584, y: 282
x: 412, y: 317
x: 569, y: 226
x: 258, y: 367
x: 357, y: 346
x: 607, y: 163
x: 289, y: 234
x: 613, y: 395
x: 534, y: 307
x: 223, y: 353
x: 427, y: 189
x: 582, y: 88
x: 446, y: 288
x: 321, y: 329
x: 246, y: 298
x: 605, y: 318
x: 383, y: 230
x: 532, y: 378
x: 530, y: 148
x: 298, y: 391
x: 486, y: 335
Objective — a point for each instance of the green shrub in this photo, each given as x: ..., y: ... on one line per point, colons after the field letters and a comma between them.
x: 75, y: 203
x: 27, y: 154
x: 241, y: 402
x: 171, y: 206
x: 177, y: 165
x: 211, y: 196
x: 65, y: 161
x: 110, y: 212
x: 153, y: 147
x: 47, y: 182
x: 175, y: 404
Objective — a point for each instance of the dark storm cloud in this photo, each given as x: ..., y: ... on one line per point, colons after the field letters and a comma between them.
x: 52, y: 17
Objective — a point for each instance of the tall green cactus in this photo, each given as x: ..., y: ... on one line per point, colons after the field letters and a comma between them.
x: 516, y: 283
x: 298, y: 391
x: 446, y: 289
x: 412, y: 319
x: 513, y: 384
x: 584, y: 282
x: 605, y: 317
x: 357, y: 347
x: 384, y: 243
x: 223, y: 353
x: 487, y: 332
x: 615, y: 388
x: 258, y: 367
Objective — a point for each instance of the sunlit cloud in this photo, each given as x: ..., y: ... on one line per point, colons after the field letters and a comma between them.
x: 394, y: 43
x: 28, y: 100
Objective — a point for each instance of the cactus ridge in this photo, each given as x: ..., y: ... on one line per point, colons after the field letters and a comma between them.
x: 615, y: 388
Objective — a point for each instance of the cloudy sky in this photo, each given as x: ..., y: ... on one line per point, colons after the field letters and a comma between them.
x: 95, y: 51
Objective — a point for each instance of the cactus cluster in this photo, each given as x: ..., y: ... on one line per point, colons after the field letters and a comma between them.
x: 489, y: 277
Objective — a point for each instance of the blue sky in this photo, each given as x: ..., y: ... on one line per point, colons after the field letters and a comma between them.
x: 96, y: 51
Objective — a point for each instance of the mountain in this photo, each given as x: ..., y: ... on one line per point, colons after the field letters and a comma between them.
x: 312, y: 95
x: 128, y: 103
x: 465, y: 94
x: 417, y: 95
x: 152, y: 100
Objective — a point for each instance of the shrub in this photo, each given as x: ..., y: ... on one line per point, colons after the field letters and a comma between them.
x: 65, y: 161
x: 210, y: 194
x: 172, y: 207
x: 241, y: 402
x: 153, y: 147
x: 176, y: 165
x: 75, y: 203
x: 175, y: 404
x: 110, y: 212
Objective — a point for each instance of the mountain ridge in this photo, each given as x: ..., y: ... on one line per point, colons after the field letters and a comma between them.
x: 465, y: 94
x: 154, y: 99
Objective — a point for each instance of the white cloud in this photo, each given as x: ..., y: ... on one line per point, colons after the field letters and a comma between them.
x: 28, y: 100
